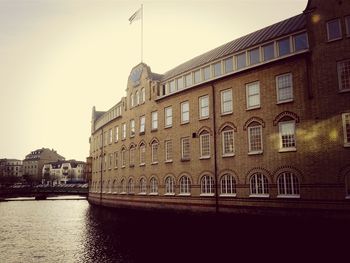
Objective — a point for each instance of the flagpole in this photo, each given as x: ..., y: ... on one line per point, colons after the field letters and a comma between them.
x: 141, y: 33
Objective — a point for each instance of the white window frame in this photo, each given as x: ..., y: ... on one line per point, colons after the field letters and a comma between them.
x: 142, y: 95
x: 201, y: 109
x: 132, y: 128
x: 265, y: 188
x: 250, y: 151
x: 116, y: 133
x: 207, y: 186
x: 279, y: 100
x: 202, y: 140
x: 153, y: 186
x: 142, y: 154
x: 110, y: 136
x: 167, y: 116
x: 339, y: 64
x: 227, y: 154
x: 248, y: 95
x: 154, y: 152
x: 344, y: 119
x: 183, y: 144
x: 340, y: 29
x: 143, y: 186
x: 185, y: 113
x: 294, y: 186
x: 154, y: 117
x: 169, y: 186
x: 123, y: 131
x: 227, y: 189
x: 287, y: 149
x: 142, y: 124
x: 223, y: 101
x: 168, y: 151
x: 185, y: 186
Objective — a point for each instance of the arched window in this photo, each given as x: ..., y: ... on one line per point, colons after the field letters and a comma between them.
x: 123, y: 186
x: 130, y: 186
x: 207, y: 185
x: 169, y: 185
x: 228, y: 185
x: 142, y: 154
x: 143, y: 186
x: 131, y: 100
x: 288, y: 185
x: 153, y: 186
x: 137, y: 98
x: 142, y: 95
x: 123, y: 157
x: 154, y: 151
x: 114, y: 186
x: 132, y: 156
x: 185, y: 185
x: 259, y: 185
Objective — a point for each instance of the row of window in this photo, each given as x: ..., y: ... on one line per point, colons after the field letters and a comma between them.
x: 138, y: 97
x: 247, y: 58
x: 334, y: 28
x: 287, y: 184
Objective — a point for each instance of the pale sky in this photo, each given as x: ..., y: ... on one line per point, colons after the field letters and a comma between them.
x: 59, y: 58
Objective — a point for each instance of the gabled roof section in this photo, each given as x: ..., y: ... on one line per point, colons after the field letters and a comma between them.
x: 279, y: 29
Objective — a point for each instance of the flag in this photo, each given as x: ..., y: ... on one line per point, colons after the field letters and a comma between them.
x: 135, y: 16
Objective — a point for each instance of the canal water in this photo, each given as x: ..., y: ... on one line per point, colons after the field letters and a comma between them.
x: 74, y: 231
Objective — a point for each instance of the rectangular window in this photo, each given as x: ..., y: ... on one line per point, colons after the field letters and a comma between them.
x: 343, y: 68
x: 185, y: 112
x: 154, y: 152
x: 269, y: 51
x: 185, y: 148
x: 168, y: 117
x: 180, y: 83
x: 347, y: 24
x: 284, y: 86
x: 217, y: 69
x: 204, y: 140
x: 142, y: 124
x: 227, y: 143
x: 287, y: 136
x: 255, y: 139
x: 106, y: 138
x: 188, y: 80
x: 228, y: 65
x: 300, y: 42
x: 123, y: 131
x: 254, y: 56
x: 132, y: 128
x: 115, y: 159
x: 204, y: 107
x: 110, y: 163
x: 346, y: 129
x: 116, y: 133
x: 241, y: 60
x: 226, y: 101
x: 154, y: 120
x: 142, y: 154
x: 253, y: 95
x: 132, y: 156
x: 334, y: 30
x: 197, y: 76
x: 172, y: 86
x: 206, y: 73
x: 168, y: 151
x: 283, y: 47
x: 110, y: 136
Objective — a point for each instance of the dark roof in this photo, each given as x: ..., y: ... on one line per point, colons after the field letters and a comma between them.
x: 156, y: 76
x: 268, y: 33
x: 98, y: 114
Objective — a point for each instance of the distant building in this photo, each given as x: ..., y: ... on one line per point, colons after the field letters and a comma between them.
x: 10, y: 167
x: 34, y: 162
x: 64, y: 172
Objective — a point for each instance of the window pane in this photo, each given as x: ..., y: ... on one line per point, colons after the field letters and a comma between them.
x: 185, y: 113
x: 255, y: 139
x: 287, y: 130
x: 283, y: 47
x: 284, y: 88
x: 333, y: 29
x: 300, y: 42
x: 154, y: 120
x: 206, y: 73
x: 168, y: 116
x: 188, y: 80
x: 344, y: 75
x: 217, y: 69
x: 185, y: 144
x: 197, y: 76
x: 253, y: 95
x: 228, y: 65
x: 172, y: 86
x: 180, y: 83
x: 254, y: 56
x: 241, y: 60
x: 205, y: 145
x: 168, y: 150
x: 269, y: 52
x: 203, y: 107
x: 226, y: 101
x: 228, y: 142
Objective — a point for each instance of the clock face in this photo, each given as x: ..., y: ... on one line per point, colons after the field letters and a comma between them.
x: 135, y: 75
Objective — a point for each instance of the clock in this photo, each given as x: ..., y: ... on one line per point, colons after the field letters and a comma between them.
x: 135, y: 75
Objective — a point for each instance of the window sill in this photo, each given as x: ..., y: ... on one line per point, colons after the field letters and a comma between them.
x: 154, y: 163
x: 255, y: 153
x: 168, y: 127
x: 253, y: 108
x: 284, y: 101
x: 335, y: 39
x: 169, y: 194
x: 115, y: 168
x: 131, y: 165
x: 184, y: 123
x: 123, y: 166
x: 142, y: 193
x: 283, y: 150
x: 142, y: 164
x: 142, y: 133
x: 207, y: 194
x: 153, y: 194
x: 344, y: 91
x: 169, y: 161
x: 185, y: 194
x: 260, y: 195
x: 154, y: 130
x: 228, y: 195
x: 132, y: 136
x: 226, y: 113
x: 204, y: 118
x: 289, y: 196
x: 228, y: 155
x: 204, y: 157
x: 123, y: 193
x: 185, y: 160
x: 346, y: 145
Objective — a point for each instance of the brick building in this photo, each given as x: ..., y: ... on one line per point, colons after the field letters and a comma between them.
x: 260, y: 122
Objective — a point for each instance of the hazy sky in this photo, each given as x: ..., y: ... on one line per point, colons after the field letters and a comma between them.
x: 58, y: 58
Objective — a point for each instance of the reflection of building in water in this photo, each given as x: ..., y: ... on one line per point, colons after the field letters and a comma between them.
x: 262, y: 121
x: 64, y: 172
